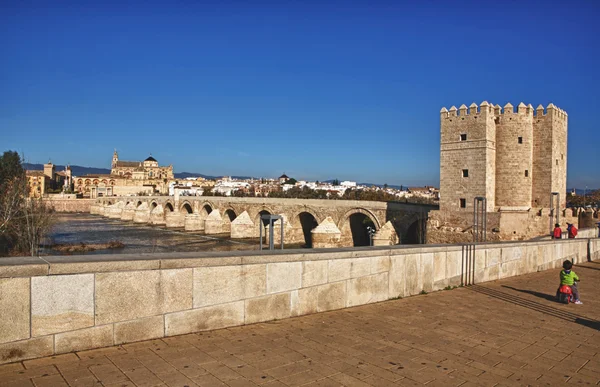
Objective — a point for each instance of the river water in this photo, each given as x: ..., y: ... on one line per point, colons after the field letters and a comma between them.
x: 71, y: 229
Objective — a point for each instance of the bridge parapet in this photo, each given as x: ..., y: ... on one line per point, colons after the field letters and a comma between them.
x: 128, y: 298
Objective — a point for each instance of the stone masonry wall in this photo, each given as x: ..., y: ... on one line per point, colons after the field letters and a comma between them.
x: 475, y: 154
x: 65, y: 304
x: 514, y: 158
x: 71, y: 205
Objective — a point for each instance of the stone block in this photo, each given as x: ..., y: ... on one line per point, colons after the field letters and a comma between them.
x: 492, y: 256
x: 272, y: 307
x: 366, y: 290
x: 146, y: 328
x: 131, y: 295
x: 314, y: 273
x: 360, y: 267
x: 254, y: 280
x: 217, y: 285
x: 26, y: 349
x: 222, y: 284
x: 14, y: 309
x: 88, y: 338
x: 397, y: 279
x: 427, y: 271
x: 305, y: 301
x: 284, y: 276
x: 331, y: 296
x: 413, y: 273
x: 380, y: 264
x: 512, y: 253
x: 61, y: 303
x: 439, y: 266
x: 339, y: 269
x: 454, y: 262
x: 208, y: 318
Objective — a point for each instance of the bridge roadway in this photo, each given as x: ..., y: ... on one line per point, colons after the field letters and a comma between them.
x: 503, y: 333
x: 346, y: 220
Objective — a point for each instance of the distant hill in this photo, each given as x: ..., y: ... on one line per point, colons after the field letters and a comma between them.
x: 76, y: 170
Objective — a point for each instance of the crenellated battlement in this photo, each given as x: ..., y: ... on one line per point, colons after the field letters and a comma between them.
x: 508, y: 109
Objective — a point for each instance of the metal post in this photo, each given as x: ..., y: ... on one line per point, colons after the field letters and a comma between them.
x: 479, y: 219
x: 271, y: 233
x: 281, y: 227
x: 554, y: 208
x: 260, y: 228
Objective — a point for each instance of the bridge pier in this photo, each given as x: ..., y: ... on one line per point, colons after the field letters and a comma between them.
x: 142, y: 213
x: 157, y: 215
x: 114, y: 211
x: 128, y: 212
x: 213, y: 223
x: 326, y: 235
x: 193, y: 222
x: 385, y: 236
x: 174, y: 220
x: 242, y: 227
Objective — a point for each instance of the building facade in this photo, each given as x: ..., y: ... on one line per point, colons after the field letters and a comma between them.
x: 48, y: 181
x: 127, y: 178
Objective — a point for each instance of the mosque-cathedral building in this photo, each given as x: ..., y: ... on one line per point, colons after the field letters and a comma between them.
x: 127, y: 178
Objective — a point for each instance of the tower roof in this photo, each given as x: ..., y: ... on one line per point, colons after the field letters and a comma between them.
x: 150, y: 159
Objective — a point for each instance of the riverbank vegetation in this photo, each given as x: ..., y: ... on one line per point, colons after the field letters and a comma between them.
x: 24, y: 222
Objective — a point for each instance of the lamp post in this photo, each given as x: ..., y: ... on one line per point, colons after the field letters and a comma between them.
x: 371, y: 231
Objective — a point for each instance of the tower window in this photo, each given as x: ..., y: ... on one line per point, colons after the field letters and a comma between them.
x: 526, y: 173
x: 465, y: 173
x: 556, y: 161
x: 463, y: 137
x: 520, y: 139
x: 463, y: 203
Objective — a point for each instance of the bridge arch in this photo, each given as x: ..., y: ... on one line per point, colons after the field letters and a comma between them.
x: 139, y: 203
x: 153, y: 205
x: 355, y: 224
x: 169, y: 207
x: 307, y: 221
x: 186, y: 208
x: 205, y: 209
x: 229, y: 215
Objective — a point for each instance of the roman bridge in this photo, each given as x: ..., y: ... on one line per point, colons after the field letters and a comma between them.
x: 309, y: 222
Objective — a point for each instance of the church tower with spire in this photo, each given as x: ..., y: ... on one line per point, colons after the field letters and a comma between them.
x: 115, y: 159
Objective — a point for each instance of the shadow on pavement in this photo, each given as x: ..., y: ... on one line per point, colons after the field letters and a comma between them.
x: 545, y: 296
x: 586, y: 267
x: 545, y: 309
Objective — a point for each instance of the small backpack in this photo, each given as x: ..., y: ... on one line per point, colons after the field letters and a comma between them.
x: 557, y: 233
x: 573, y: 231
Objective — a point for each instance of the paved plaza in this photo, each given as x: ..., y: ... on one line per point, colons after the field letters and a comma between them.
x: 504, y: 333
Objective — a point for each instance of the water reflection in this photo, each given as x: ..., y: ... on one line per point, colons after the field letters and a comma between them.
x: 90, y: 229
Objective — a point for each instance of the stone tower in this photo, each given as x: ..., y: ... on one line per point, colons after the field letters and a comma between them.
x: 115, y: 159
x: 515, y: 159
x: 49, y: 170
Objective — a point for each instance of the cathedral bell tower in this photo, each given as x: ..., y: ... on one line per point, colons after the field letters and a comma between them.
x: 115, y: 159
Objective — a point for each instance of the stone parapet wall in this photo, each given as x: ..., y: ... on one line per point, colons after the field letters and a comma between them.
x: 70, y: 205
x: 63, y: 304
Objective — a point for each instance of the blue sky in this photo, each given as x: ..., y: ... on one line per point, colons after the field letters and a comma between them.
x: 318, y: 90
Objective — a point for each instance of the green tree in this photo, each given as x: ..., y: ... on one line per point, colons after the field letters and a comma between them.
x: 290, y: 181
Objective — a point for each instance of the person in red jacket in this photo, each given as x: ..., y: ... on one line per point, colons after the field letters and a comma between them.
x: 557, y: 233
x: 572, y: 230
